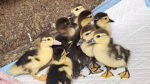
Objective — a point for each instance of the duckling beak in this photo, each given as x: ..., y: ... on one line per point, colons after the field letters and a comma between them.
x: 56, y: 42
x: 91, y: 41
x: 71, y: 15
x: 80, y: 41
x: 110, y: 20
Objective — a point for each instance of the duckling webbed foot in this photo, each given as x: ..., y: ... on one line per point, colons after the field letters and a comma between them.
x: 40, y: 78
x: 107, y: 74
x: 35, y: 77
x: 95, y: 68
x: 124, y: 74
x: 82, y: 76
x: 43, y: 77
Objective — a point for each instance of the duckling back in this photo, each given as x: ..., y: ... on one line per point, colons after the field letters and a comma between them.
x: 57, y: 77
x: 60, y: 71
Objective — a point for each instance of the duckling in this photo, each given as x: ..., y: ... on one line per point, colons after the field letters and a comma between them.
x: 32, y: 61
x: 86, y: 34
x: 64, y: 27
x: 75, y: 12
x: 80, y: 60
x: 65, y: 32
x: 110, y: 54
x: 102, y: 20
x: 77, y: 9
x: 85, y: 18
x: 60, y: 71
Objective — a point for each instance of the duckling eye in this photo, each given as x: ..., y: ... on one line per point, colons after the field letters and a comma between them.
x: 105, y: 18
x: 76, y: 9
x: 48, y: 39
x: 67, y: 23
x: 98, y: 36
x: 90, y: 17
x: 87, y: 34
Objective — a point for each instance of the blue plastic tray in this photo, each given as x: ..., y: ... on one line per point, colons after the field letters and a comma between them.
x: 147, y: 3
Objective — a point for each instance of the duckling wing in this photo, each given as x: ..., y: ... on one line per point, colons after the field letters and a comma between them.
x: 115, y: 50
x: 120, y: 52
x: 24, y: 58
x: 125, y: 53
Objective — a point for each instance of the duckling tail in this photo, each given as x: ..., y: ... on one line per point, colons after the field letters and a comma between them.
x: 17, y: 70
x: 127, y: 55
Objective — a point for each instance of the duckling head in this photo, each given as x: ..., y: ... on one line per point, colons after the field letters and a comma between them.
x: 102, y: 18
x: 64, y: 27
x: 86, y: 34
x: 49, y: 41
x: 76, y: 10
x: 100, y: 37
x: 85, y: 18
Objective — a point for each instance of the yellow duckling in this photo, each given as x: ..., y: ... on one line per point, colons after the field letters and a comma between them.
x: 86, y: 34
x: 31, y: 62
x: 75, y: 11
x: 102, y: 20
x: 110, y: 54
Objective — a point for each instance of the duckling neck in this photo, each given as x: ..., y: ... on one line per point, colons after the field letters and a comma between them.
x: 76, y: 20
x: 45, y: 53
x: 97, y: 25
x: 106, y: 42
x: 102, y: 25
x: 102, y: 45
x: 45, y: 49
x: 87, y: 49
